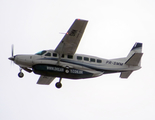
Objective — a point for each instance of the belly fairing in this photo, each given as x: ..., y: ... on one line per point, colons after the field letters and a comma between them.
x: 59, y: 71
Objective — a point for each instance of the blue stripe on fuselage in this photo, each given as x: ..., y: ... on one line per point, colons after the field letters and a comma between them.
x: 76, y: 63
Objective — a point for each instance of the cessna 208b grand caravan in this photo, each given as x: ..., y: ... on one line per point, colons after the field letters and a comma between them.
x: 64, y: 63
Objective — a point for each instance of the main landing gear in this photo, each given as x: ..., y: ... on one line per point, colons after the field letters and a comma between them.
x: 67, y: 71
x: 58, y: 84
x: 20, y: 74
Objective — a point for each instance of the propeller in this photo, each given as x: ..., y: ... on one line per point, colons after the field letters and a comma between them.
x: 12, y: 50
x: 12, y: 58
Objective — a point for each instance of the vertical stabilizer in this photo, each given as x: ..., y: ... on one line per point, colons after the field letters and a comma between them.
x: 134, y: 57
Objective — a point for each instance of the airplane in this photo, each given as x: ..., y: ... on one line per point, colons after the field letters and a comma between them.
x: 62, y: 62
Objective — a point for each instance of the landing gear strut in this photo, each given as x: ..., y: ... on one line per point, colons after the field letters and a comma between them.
x: 20, y: 74
x: 58, y: 84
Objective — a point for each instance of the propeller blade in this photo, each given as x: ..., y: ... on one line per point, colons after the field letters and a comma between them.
x: 12, y: 58
x: 12, y: 50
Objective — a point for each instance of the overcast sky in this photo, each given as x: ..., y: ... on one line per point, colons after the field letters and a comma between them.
x: 113, y: 28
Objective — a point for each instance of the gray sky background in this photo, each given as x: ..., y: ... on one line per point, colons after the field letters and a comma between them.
x: 112, y: 30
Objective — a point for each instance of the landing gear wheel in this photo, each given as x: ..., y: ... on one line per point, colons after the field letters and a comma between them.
x: 58, y: 85
x: 20, y: 74
x: 67, y: 71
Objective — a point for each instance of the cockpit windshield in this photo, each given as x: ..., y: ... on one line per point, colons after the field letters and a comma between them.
x: 41, y: 52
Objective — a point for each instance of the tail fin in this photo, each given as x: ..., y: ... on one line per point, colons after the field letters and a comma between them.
x: 133, y: 59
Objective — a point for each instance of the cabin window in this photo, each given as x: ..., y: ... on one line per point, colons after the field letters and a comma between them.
x: 99, y: 61
x: 62, y: 55
x: 79, y: 58
x: 86, y: 58
x: 92, y: 60
x: 48, y: 54
x: 54, y: 55
x: 70, y: 56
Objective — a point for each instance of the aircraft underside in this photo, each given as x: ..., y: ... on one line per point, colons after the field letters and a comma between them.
x: 58, y: 71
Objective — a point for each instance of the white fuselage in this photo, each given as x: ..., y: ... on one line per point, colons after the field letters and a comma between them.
x: 78, y: 64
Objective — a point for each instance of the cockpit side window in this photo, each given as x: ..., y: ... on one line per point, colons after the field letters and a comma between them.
x: 48, y: 54
x: 41, y: 52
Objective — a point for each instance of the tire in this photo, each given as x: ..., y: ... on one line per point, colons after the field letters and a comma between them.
x: 58, y: 85
x: 20, y: 75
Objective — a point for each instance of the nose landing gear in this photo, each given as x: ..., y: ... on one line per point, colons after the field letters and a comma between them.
x: 20, y: 74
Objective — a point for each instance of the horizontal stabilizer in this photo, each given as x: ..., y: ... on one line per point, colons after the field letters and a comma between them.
x: 125, y: 74
x: 134, y: 59
x: 45, y: 80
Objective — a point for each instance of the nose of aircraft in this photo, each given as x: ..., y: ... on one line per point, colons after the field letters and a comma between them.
x: 12, y: 58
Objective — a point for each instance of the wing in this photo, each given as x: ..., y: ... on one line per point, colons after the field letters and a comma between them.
x: 70, y: 41
x: 45, y: 80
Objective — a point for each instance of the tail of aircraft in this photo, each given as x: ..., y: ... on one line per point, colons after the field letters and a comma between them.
x: 133, y: 59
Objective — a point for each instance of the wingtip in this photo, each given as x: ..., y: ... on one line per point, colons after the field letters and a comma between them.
x: 81, y: 20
